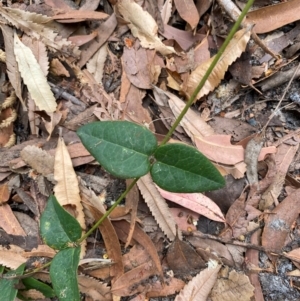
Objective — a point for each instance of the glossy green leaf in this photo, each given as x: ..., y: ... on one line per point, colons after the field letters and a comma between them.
x: 8, y: 290
x: 59, y: 229
x: 121, y: 147
x: 63, y: 274
x: 45, y: 289
x: 181, y: 168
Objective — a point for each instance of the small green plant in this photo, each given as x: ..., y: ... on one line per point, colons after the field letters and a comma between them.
x: 126, y: 150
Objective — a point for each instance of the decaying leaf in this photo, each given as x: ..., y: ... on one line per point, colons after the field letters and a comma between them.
x: 11, y: 63
x: 143, y: 239
x: 38, y: 159
x: 39, y: 27
x: 278, y: 223
x: 12, y: 257
x: 197, y: 202
x: 188, y: 12
x: 218, y: 148
x: 111, y: 241
x: 4, y: 193
x: 33, y: 77
x: 183, y: 259
x: 8, y: 221
x: 232, y: 286
x: 235, y: 48
x: 199, y: 288
x: 142, y: 26
x: 157, y: 206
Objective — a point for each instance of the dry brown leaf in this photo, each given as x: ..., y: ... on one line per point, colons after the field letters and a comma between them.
x: 11, y: 258
x: 133, y: 281
x: 66, y: 189
x: 104, y: 31
x: 40, y: 27
x: 79, y: 14
x: 58, y: 69
x: 278, y: 223
x: 197, y: 202
x: 283, y: 158
x: 93, y: 288
x: 235, y: 48
x: 188, y: 12
x: 139, y: 66
x: 210, y: 249
x: 38, y: 159
x: 143, y: 239
x: 236, y: 219
x: 157, y: 206
x: 4, y: 193
x: 198, y: 289
x: 234, y: 286
x: 172, y: 285
x: 55, y: 119
x: 218, y: 148
x: 40, y: 251
x: 183, y: 259
x: 275, y: 16
x: 185, y: 219
x: 111, y: 241
x: 8, y: 221
x: 142, y: 26
x: 11, y: 63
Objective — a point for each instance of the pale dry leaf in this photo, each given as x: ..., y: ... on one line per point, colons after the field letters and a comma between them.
x: 40, y: 27
x: 198, y: 289
x: 197, y: 202
x: 166, y: 11
x: 38, y: 159
x: 143, y: 26
x: 67, y: 188
x: 33, y: 77
x: 235, y: 48
x: 236, y: 286
x: 11, y: 259
x: 11, y: 63
x: 157, y: 206
x: 93, y: 288
x: 38, y: 49
x: 31, y: 294
x: 192, y: 122
x: 96, y: 64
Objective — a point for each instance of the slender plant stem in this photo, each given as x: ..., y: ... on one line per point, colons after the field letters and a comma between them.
x: 209, y: 70
x: 108, y: 212
x: 187, y: 106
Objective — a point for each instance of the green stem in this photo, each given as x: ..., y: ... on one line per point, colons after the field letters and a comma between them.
x: 108, y: 212
x: 209, y: 70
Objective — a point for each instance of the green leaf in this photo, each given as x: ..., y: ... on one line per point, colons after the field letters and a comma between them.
x: 63, y: 274
x: 32, y: 283
x: 181, y: 168
x: 59, y: 229
x: 121, y: 147
x: 7, y: 286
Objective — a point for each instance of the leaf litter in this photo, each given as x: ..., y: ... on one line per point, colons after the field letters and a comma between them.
x: 69, y: 65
